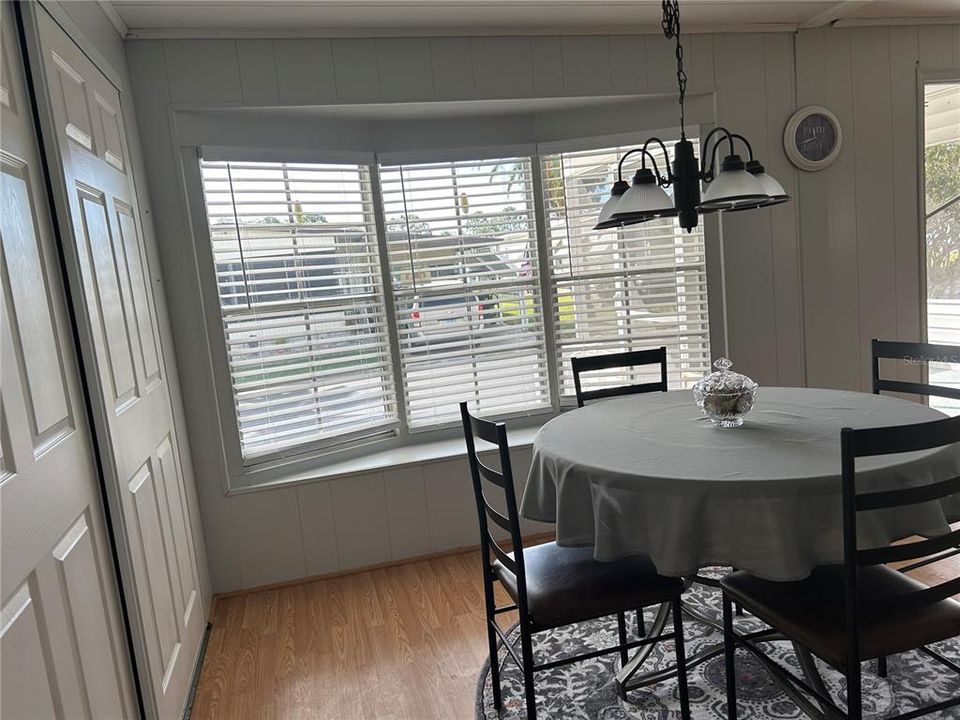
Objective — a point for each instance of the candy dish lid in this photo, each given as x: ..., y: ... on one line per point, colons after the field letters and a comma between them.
x: 724, y: 381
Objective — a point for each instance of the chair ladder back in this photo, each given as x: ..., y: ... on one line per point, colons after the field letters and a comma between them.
x: 494, y: 433
x: 631, y: 359
x: 914, y: 352
x: 887, y: 441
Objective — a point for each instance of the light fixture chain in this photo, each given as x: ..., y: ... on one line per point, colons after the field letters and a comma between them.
x: 671, y: 30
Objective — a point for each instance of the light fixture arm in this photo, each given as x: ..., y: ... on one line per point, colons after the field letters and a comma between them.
x: 711, y: 157
x: 668, y: 179
x: 708, y: 154
x: 646, y: 154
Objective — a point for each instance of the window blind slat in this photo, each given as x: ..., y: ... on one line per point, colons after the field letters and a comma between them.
x: 298, y: 275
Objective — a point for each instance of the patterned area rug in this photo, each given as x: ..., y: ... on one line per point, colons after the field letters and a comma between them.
x: 586, y: 690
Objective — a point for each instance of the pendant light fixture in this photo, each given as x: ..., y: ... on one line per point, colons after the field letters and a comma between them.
x: 738, y: 185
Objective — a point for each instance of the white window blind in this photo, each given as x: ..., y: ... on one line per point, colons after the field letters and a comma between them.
x: 621, y: 289
x: 463, y: 258
x: 297, y: 268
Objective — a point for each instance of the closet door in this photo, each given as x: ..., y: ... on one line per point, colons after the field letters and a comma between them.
x: 62, y: 646
x: 113, y: 290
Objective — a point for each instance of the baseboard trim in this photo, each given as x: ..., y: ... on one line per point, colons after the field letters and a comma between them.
x: 527, y: 540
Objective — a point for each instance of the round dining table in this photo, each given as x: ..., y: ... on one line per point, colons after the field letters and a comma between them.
x: 649, y: 474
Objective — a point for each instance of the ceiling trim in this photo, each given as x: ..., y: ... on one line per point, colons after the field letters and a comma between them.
x: 114, y: 17
x: 452, y: 31
x: 872, y: 22
x: 833, y: 12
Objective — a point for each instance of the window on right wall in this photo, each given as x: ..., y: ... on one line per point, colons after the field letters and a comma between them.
x: 942, y: 213
x: 621, y: 289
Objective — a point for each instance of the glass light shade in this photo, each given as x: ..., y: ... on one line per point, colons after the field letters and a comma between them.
x: 606, y: 220
x: 733, y: 186
x: 772, y: 188
x: 775, y: 194
x: 643, y: 201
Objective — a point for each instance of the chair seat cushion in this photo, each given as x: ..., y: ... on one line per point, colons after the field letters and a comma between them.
x: 812, y: 611
x: 566, y: 585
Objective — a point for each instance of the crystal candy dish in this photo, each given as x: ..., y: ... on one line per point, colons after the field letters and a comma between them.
x: 725, y: 396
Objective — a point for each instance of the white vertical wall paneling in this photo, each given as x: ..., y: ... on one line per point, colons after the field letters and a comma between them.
x: 628, y: 63
x: 305, y: 70
x: 698, y: 62
x: 258, y: 71
x: 271, y: 544
x: 828, y: 222
x: 406, y: 71
x: 780, y: 90
x: 360, y: 516
x: 452, y: 60
x: 871, y: 148
x: 355, y: 69
x: 218, y: 82
x: 904, y: 55
x: 748, y: 257
x: 502, y: 67
x: 318, y: 528
x: 407, y: 512
x: 451, y: 511
x: 936, y: 46
x: 547, y: 59
x: 661, y: 64
x: 586, y: 65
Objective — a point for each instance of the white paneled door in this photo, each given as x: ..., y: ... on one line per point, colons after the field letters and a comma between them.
x: 62, y: 646
x: 113, y: 293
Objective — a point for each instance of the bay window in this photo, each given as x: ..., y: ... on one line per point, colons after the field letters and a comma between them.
x: 362, y: 303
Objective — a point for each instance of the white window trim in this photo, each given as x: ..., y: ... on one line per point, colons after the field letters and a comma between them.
x: 396, y: 446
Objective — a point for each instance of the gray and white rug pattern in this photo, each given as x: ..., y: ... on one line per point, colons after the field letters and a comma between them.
x: 586, y: 690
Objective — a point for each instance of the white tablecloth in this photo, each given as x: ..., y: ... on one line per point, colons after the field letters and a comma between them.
x: 649, y: 474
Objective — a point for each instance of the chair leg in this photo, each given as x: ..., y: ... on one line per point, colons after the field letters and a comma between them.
x: 622, y: 633
x: 681, y: 659
x: 882, y: 666
x: 854, y: 699
x: 526, y: 647
x: 737, y: 605
x: 729, y: 652
x: 493, y: 640
x: 641, y: 624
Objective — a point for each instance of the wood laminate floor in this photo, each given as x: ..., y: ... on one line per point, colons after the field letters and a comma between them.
x: 399, y: 643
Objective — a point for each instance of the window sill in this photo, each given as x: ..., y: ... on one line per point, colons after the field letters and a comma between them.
x: 389, y: 459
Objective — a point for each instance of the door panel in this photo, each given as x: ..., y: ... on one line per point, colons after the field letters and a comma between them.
x: 77, y: 567
x: 24, y: 660
x: 62, y: 648
x: 29, y: 313
x: 111, y: 280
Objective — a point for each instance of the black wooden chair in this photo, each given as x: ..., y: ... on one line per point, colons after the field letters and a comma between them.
x: 860, y: 610
x: 914, y: 352
x: 553, y: 586
x: 635, y: 358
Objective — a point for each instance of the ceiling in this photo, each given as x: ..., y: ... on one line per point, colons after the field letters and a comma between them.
x: 251, y: 18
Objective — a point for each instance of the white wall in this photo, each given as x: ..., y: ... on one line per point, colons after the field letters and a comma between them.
x: 774, y: 322
x: 860, y: 219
